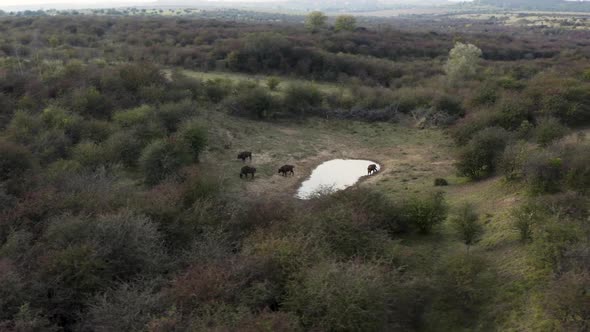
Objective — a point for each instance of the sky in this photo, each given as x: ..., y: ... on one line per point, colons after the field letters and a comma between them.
x: 60, y: 4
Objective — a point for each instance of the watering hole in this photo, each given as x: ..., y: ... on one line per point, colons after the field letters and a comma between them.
x: 334, y: 175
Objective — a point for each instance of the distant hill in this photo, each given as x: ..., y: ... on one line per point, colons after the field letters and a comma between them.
x: 554, y: 5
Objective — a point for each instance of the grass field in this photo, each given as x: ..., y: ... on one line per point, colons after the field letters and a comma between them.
x: 261, y: 79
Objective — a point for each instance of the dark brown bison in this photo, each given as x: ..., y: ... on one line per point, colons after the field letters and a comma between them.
x: 287, y: 169
x: 245, y: 155
x: 372, y: 169
x: 247, y: 170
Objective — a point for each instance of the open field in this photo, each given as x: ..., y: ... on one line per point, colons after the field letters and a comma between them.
x: 260, y: 79
x: 411, y: 158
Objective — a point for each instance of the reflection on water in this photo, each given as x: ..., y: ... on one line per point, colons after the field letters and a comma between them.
x: 334, y: 175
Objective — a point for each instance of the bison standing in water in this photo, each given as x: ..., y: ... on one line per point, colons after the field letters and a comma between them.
x: 247, y: 170
x: 245, y: 155
x: 372, y: 169
x: 287, y: 169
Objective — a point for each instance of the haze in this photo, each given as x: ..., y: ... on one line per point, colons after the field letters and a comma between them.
x: 64, y: 4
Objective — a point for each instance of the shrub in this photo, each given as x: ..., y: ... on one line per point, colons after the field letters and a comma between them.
x: 566, y: 301
x: 90, y: 102
x: 163, y: 158
x: 15, y: 164
x: 548, y: 130
x: 302, y: 98
x: 449, y: 105
x: 15, y: 161
x: 217, y: 89
x: 472, y: 124
x: 171, y: 115
x: 513, y: 110
x: 273, y: 83
x: 350, y: 296
x: 194, y: 136
x: 255, y: 103
x: 578, y: 169
x: 426, y: 212
x: 544, y: 172
x: 463, y: 284
x: 465, y: 222
x: 117, y: 309
x: 524, y: 219
x: 123, y: 147
x: 350, y: 233
x: 479, y: 158
x: 551, y: 243
x: 11, y: 290
x: 512, y: 161
x: 88, y: 154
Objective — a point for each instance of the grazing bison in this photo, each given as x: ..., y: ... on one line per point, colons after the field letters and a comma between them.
x: 287, y: 169
x: 247, y: 170
x: 372, y: 169
x: 245, y: 155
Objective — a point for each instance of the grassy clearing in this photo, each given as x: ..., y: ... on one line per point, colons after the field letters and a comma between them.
x: 325, y: 87
x: 411, y: 158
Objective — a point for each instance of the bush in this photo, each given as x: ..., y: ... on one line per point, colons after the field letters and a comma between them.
x: 255, y: 103
x: 162, y: 158
x: 465, y: 223
x: 544, y: 172
x: 548, y: 130
x: 578, y: 169
x: 566, y: 301
x: 349, y: 233
x: 15, y: 161
x: 426, y: 212
x: 350, y: 296
x: 123, y: 147
x: 273, y: 83
x: 463, y: 284
x: 301, y: 99
x: 88, y: 154
x: 512, y: 161
x: 525, y: 218
x: 551, y: 243
x: 11, y: 290
x: 479, y: 158
x: 15, y: 164
x: 171, y: 115
x: 194, y: 136
x: 117, y: 309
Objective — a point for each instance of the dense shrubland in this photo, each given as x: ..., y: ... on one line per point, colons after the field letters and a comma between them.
x: 106, y: 212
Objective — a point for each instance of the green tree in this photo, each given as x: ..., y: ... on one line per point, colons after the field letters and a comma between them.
x: 315, y: 21
x: 194, y: 135
x: 163, y: 158
x: 426, y: 212
x: 465, y: 223
x: 345, y: 23
x: 273, y: 83
x: 463, y: 61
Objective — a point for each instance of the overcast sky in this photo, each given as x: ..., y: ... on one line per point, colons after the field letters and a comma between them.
x: 46, y: 4
x: 78, y: 2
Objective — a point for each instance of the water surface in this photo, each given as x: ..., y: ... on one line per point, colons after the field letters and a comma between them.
x: 334, y: 175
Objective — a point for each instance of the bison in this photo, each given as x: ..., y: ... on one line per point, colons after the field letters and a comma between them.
x: 247, y: 170
x: 287, y: 169
x: 372, y: 169
x: 245, y: 155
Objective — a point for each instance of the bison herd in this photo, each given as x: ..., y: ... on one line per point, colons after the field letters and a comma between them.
x: 285, y: 170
